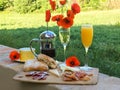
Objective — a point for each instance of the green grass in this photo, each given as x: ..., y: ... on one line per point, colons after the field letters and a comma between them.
x: 12, y: 20
x: 17, y: 30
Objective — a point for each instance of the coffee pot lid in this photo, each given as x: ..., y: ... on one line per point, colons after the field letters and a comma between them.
x: 47, y: 35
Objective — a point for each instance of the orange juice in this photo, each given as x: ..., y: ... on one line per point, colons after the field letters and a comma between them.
x: 86, y: 35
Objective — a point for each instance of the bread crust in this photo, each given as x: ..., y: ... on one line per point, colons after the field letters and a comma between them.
x: 34, y: 65
x: 48, y: 60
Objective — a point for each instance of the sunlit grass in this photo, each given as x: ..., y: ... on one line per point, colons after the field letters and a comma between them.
x: 109, y: 17
x: 14, y: 20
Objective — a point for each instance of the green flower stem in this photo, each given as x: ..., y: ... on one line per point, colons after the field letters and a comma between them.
x: 47, y: 26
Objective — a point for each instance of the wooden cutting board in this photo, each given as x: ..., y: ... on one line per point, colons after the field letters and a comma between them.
x: 52, y: 79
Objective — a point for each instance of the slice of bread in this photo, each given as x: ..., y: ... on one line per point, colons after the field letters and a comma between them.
x: 48, y: 60
x: 35, y: 65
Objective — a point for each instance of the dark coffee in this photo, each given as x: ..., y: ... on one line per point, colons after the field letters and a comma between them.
x: 49, y: 52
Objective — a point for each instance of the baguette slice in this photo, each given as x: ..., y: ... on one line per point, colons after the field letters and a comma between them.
x: 34, y: 65
x: 48, y: 60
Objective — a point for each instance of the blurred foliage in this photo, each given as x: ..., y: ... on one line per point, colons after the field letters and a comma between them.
x: 5, y: 4
x: 27, y: 6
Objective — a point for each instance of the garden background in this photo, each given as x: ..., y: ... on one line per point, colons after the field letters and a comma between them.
x: 23, y: 20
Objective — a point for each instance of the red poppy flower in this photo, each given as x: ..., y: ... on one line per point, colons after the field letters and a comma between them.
x: 62, y: 2
x: 72, y: 61
x: 59, y: 22
x: 57, y: 18
x: 53, y: 4
x: 14, y: 55
x: 70, y: 14
x: 48, y: 15
x: 75, y: 8
x: 66, y: 22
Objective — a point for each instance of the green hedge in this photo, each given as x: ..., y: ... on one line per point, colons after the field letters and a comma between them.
x: 3, y: 4
x: 25, y: 6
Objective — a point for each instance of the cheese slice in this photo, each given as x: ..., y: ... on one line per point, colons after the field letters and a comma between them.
x: 63, y: 67
x: 54, y: 72
x: 71, y: 68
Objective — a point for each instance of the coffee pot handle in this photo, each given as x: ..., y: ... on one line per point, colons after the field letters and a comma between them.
x: 33, y: 51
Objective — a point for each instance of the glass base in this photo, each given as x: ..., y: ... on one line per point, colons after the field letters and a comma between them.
x: 86, y: 68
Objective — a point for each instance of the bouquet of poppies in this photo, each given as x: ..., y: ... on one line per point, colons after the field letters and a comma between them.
x: 65, y: 21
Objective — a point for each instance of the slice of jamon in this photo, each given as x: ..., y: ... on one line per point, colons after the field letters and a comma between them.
x: 74, y: 76
x: 71, y: 76
x: 80, y: 74
x: 37, y: 75
x: 67, y: 78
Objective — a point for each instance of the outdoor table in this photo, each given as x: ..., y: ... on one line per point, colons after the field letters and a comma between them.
x: 8, y: 69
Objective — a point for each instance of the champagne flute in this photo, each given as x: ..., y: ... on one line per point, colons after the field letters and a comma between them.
x: 64, y: 35
x: 86, y: 37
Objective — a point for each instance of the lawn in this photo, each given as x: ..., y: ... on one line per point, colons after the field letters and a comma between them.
x: 16, y: 30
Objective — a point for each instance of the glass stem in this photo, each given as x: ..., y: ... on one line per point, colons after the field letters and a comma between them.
x: 64, y: 46
x: 47, y: 26
x: 86, y: 58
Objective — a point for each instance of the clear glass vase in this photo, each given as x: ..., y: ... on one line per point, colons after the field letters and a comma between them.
x: 64, y: 35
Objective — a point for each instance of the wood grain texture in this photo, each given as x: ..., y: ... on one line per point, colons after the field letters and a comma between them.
x: 52, y: 79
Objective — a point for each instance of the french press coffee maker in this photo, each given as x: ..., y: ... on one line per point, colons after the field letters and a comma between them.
x: 47, y: 43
